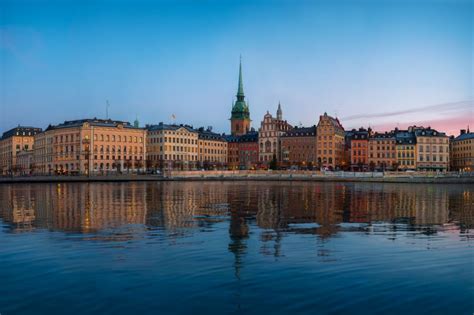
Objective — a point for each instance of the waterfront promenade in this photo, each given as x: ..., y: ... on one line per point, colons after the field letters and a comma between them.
x: 316, y: 176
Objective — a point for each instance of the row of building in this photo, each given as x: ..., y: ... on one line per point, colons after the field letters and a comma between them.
x: 91, y: 146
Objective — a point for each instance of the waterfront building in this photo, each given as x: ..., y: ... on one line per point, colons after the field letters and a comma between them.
x: 382, y: 151
x: 90, y: 146
x: 405, y: 149
x: 12, y: 142
x: 298, y: 147
x: 462, y: 151
x: 242, y: 151
x: 240, y: 118
x: 172, y: 146
x: 212, y: 149
x: 359, y: 149
x: 24, y: 162
x: 432, y: 153
x: 270, y: 132
x: 330, y: 142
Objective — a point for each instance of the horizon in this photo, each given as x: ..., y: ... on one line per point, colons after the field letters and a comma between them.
x: 382, y: 64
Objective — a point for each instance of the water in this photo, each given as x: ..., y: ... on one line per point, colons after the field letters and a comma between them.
x: 236, y: 248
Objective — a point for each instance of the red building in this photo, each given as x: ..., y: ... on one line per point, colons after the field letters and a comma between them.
x: 242, y: 151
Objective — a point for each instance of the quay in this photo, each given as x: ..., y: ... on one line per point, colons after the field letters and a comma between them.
x: 311, y: 176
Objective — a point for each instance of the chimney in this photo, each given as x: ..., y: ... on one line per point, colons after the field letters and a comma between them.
x: 463, y: 131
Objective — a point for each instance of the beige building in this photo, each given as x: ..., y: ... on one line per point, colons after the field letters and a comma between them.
x: 172, y: 147
x: 12, y: 142
x: 406, y: 149
x: 90, y: 146
x: 462, y: 152
x: 271, y: 129
x: 432, y: 152
x: 212, y: 149
x: 24, y: 162
x: 382, y: 151
x: 330, y: 142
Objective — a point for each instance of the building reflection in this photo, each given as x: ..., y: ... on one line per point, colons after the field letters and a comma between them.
x: 276, y: 209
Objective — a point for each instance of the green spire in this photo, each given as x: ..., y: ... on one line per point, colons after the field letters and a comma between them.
x: 240, y: 89
x: 240, y: 110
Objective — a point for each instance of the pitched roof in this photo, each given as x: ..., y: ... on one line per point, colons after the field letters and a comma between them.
x: 301, y: 132
x: 464, y: 136
x: 93, y: 122
x: 21, y: 131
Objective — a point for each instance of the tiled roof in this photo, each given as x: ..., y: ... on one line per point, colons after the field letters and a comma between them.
x: 93, y: 122
x: 162, y: 126
x: 21, y: 131
x: 465, y: 136
x: 301, y: 132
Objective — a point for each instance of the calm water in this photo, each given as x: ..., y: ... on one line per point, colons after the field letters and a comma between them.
x: 236, y: 248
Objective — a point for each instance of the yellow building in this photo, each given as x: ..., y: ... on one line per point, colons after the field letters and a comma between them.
x: 462, y: 152
x: 330, y: 142
x: 172, y: 147
x: 406, y: 150
x: 90, y: 146
x: 212, y: 149
x: 12, y: 142
x: 432, y: 152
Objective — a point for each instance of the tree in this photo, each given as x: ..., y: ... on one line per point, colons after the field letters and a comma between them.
x: 273, y: 163
x: 371, y: 166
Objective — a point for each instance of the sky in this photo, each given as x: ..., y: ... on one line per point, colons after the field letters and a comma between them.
x: 382, y: 64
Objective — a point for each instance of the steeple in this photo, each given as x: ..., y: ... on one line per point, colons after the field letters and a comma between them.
x: 240, y: 89
x: 279, y: 112
x: 240, y: 118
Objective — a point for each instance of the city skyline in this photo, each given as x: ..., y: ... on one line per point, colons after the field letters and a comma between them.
x: 389, y: 64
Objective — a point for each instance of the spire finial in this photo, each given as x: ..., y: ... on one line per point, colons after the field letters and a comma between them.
x: 279, y: 112
x: 240, y: 89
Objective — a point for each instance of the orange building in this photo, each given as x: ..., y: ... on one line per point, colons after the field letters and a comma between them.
x: 13, y: 142
x: 330, y: 142
x: 382, y: 151
x: 90, y: 146
x: 359, y: 148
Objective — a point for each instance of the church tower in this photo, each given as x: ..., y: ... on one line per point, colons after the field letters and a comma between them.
x: 240, y: 119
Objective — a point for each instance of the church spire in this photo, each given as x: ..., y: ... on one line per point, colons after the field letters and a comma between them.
x: 240, y: 90
x: 279, y: 112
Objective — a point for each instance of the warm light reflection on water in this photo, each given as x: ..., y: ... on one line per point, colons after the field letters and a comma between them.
x: 231, y: 247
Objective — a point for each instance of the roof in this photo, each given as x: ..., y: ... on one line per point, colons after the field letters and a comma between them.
x: 465, y: 136
x: 172, y: 127
x: 385, y: 135
x: 93, y: 122
x: 209, y: 135
x: 428, y: 132
x: 22, y: 131
x: 405, y: 137
x: 334, y: 121
x: 251, y: 136
x: 301, y: 132
x: 360, y: 134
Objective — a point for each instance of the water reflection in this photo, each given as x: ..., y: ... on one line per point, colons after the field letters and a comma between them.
x: 276, y: 208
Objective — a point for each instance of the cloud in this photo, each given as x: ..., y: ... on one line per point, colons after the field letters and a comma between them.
x: 453, y: 107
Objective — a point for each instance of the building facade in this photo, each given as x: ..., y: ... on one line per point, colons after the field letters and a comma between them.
x: 13, y: 142
x: 90, y: 146
x: 172, y: 147
x: 240, y: 118
x: 359, y: 149
x: 405, y: 149
x: 242, y: 151
x: 270, y: 132
x: 212, y: 149
x: 382, y: 151
x: 330, y: 142
x: 462, y: 152
x: 298, y: 147
x: 432, y: 152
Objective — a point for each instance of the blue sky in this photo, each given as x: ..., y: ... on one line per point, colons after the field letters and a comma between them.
x: 397, y: 60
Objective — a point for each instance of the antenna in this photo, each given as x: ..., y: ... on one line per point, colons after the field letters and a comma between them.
x: 107, y: 109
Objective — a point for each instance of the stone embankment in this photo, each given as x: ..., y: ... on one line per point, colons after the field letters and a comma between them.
x: 315, y: 176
